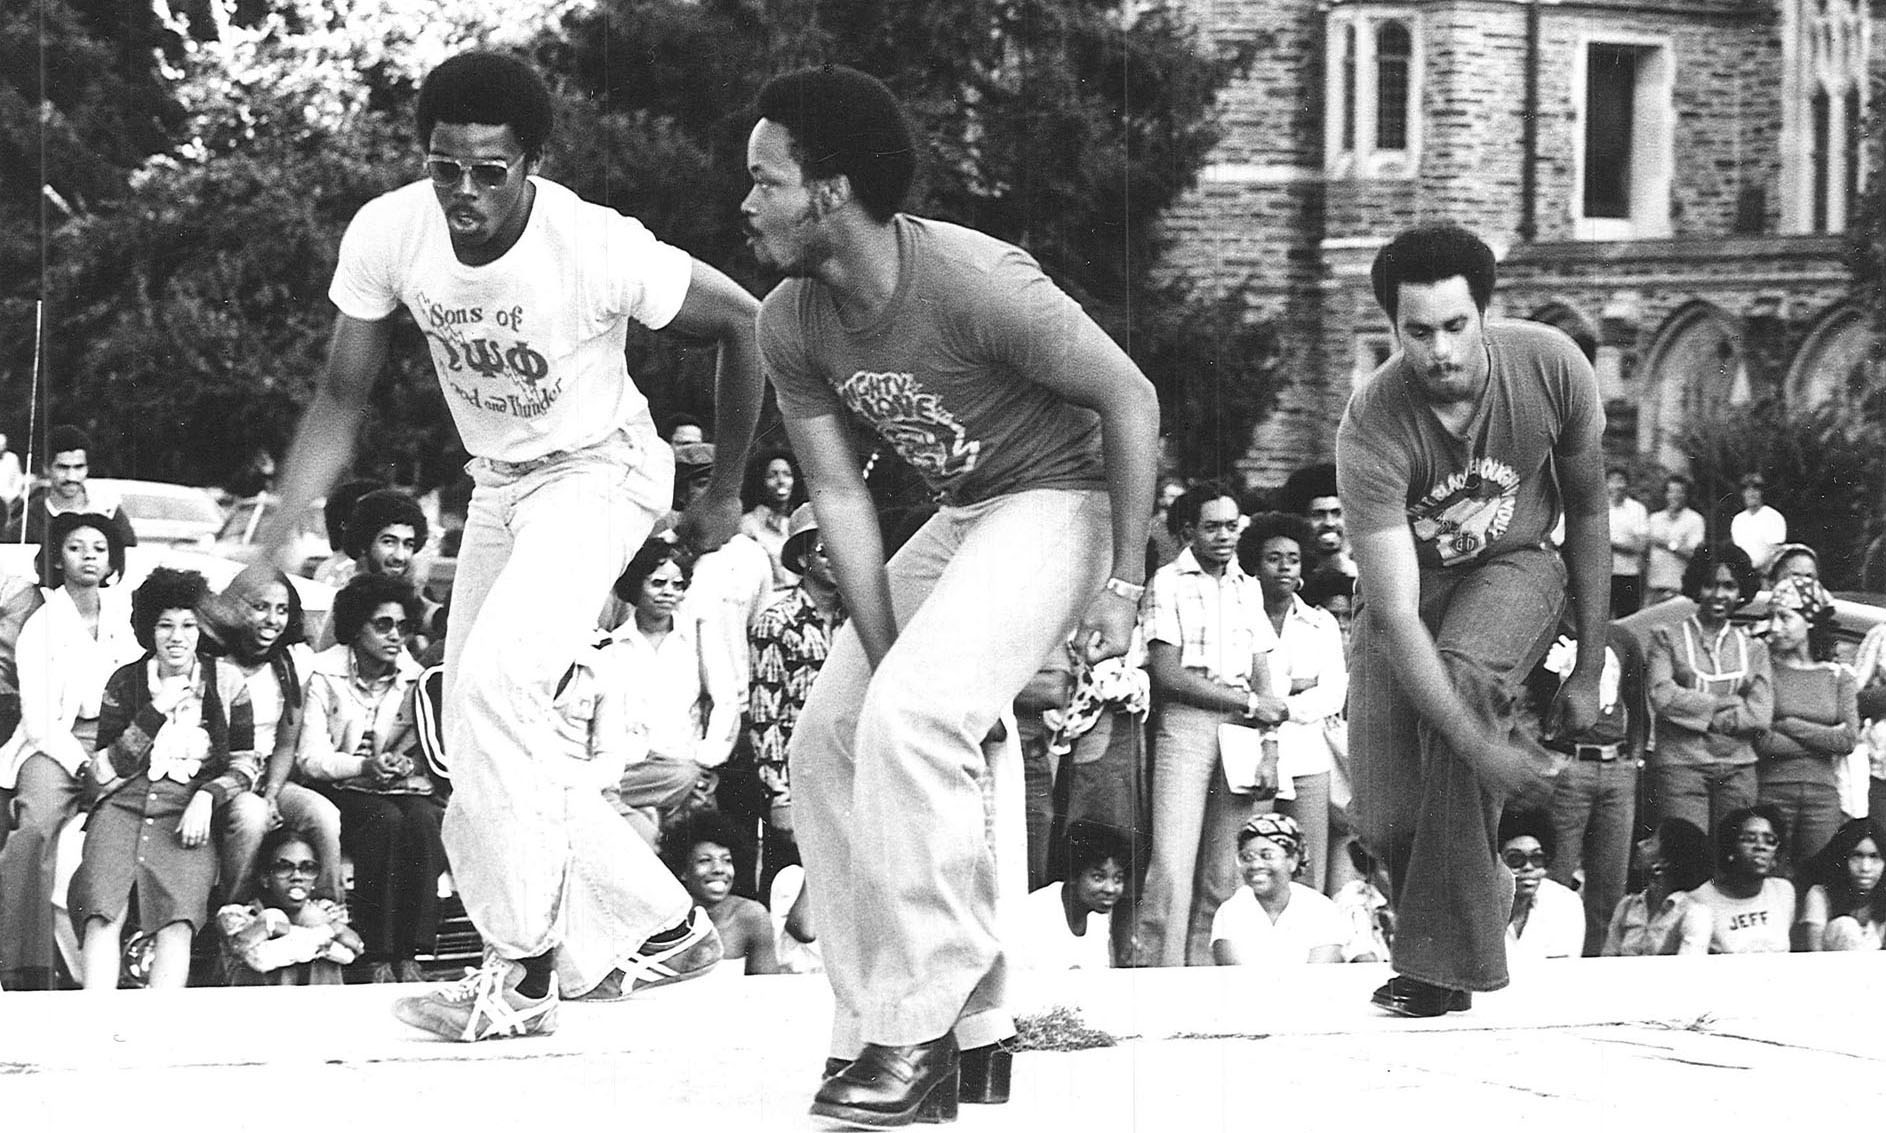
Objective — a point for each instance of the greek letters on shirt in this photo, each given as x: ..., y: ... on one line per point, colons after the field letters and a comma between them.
x: 914, y: 422
x: 474, y: 350
x: 1466, y: 511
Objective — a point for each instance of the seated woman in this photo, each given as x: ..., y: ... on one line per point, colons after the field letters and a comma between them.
x: 356, y: 748
x: 1548, y: 920
x: 700, y: 851
x: 1665, y: 920
x: 287, y: 936
x: 1363, y: 903
x: 1069, y: 924
x: 163, y: 770
x: 1272, y: 920
x: 680, y: 709
x: 256, y: 633
x: 1752, y: 909
x: 1844, y: 910
x: 66, y: 652
x: 1816, y: 719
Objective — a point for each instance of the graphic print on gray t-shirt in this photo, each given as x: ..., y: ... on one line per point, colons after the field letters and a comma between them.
x: 1464, y: 498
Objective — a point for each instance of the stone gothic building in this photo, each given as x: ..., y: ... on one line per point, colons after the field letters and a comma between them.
x: 1666, y: 180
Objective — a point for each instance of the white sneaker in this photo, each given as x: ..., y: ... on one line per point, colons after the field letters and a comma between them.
x: 484, y: 1005
x: 695, y: 954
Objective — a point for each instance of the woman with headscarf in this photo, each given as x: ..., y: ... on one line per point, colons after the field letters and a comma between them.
x: 1272, y: 919
x: 66, y: 651
x: 1816, y: 718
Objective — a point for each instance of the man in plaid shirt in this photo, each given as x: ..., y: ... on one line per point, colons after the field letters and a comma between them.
x: 1204, y: 625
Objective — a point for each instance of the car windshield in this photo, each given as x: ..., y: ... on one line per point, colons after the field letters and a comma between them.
x: 181, y: 508
x: 241, y: 517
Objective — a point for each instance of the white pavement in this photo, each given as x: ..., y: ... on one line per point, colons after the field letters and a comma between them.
x: 1788, y: 1042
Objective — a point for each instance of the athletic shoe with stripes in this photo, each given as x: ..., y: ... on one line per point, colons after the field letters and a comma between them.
x: 695, y: 954
x: 484, y: 1005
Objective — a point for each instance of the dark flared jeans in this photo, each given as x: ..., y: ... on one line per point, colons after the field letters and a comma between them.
x: 1418, y: 806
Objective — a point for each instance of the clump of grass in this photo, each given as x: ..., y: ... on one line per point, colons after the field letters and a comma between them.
x: 1058, y: 1028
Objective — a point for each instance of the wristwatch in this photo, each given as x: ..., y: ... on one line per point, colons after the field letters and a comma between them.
x: 1124, y: 589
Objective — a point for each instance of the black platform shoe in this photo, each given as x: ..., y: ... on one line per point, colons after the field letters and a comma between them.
x: 1417, y: 999
x: 890, y: 1086
x: 985, y: 1073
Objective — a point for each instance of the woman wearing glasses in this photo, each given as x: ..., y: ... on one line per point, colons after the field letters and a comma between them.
x: 1548, y: 920
x: 356, y: 746
x: 682, y: 711
x: 1271, y: 919
x: 1753, y: 909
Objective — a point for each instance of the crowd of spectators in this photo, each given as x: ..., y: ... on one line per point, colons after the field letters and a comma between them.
x: 189, y: 773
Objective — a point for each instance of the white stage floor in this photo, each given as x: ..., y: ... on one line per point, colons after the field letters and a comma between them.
x: 1672, y: 1045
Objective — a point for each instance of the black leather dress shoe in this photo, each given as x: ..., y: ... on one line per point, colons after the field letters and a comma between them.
x: 1415, y: 999
x: 890, y: 1086
x: 985, y: 1073
x: 834, y: 1067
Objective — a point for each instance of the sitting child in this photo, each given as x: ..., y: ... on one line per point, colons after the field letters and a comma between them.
x: 287, y: 937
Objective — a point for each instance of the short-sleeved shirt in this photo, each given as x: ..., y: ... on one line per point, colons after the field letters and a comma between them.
x: 1494, y: 489
x: 1217, y: 622
x: 528, y: 348
x: 1749, y: 924
x: 949, y: 374
x: 1309, y: 921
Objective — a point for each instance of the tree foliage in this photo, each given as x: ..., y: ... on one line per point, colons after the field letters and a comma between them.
x: 186, y: 292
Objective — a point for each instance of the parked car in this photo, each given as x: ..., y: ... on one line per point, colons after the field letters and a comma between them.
x: 1854, y: 614
x: 170, y: 515
x: 237, y: 539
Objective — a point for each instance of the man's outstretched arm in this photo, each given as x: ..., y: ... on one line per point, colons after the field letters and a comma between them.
x: 1391, y: 583
x: 323, y: 448
x: 720, y: 309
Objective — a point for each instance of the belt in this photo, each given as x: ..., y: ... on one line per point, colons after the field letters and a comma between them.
x: 1591, y: 753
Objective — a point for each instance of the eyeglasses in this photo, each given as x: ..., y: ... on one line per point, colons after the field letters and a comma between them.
x: 668, y: 583
x: 1521, y: 859
x: 1269, y: 855
x: 386, y: 625
x: 286, y: 868
x: 1757, y: 840
x: 447, y: 173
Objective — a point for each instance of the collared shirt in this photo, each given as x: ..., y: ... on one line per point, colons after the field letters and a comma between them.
x: 1681, y: 926
x: 1308, y: 648
x: 342, y: 706
x: 675, y: 695
x: 1217, y: 623
x: 1690, y: 668
x: 1555, y: 926
x: 789, y: 644
x: 1630, y: 534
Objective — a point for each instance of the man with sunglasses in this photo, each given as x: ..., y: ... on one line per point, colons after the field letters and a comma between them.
x: 524, y: 293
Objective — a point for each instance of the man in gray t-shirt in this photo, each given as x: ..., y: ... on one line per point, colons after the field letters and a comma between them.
x: 1452, y: 461
x: 1037, y: 433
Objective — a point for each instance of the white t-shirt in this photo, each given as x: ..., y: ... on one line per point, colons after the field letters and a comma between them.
x: 528, y: 349
x: 1047, y: 945
x: 1309, y: 921
x: 1749, y: 924
x: 1760, y: 533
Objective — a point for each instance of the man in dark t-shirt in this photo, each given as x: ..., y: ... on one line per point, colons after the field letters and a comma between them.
x: 1037, y: 434
x: 1452, y: 462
